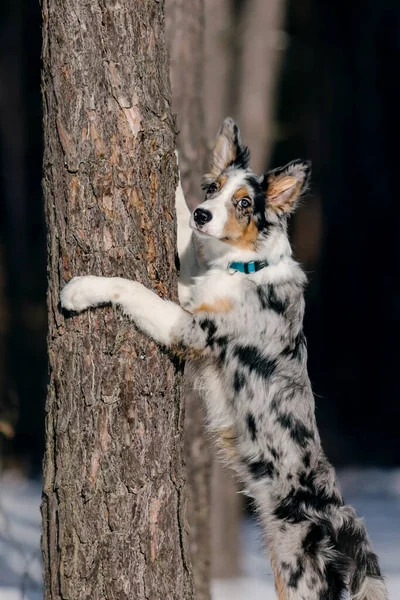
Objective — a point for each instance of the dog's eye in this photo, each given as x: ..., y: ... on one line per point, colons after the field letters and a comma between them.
x: 244, y: 203
x: 212, y: 188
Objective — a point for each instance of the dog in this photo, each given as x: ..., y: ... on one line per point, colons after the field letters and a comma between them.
x: 240, y: 329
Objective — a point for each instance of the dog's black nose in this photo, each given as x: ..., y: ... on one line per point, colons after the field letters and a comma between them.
x: 202, y: 216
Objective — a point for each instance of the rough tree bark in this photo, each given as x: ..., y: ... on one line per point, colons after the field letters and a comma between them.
x: 113, y: 503
x: 185, y: 34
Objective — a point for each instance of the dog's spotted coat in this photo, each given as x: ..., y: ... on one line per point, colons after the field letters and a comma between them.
x: 243, y: 337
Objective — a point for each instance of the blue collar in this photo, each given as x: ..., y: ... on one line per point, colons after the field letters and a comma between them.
x: 250, y: 267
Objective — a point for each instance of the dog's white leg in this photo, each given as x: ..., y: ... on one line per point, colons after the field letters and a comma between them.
x: 161, y: 319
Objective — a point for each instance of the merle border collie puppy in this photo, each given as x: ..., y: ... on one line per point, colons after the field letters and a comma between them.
x: 240, y: 327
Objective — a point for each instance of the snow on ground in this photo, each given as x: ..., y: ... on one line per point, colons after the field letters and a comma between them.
x: 374, y: 493
x: 20, y: 558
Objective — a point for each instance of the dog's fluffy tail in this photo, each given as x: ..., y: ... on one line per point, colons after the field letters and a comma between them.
x: 366, y: 581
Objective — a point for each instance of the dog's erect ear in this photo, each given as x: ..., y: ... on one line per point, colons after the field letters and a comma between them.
x: 228, y: 149
x: 284, y: 186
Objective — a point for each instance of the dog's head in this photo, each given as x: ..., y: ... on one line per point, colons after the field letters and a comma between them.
x: 240, y: 207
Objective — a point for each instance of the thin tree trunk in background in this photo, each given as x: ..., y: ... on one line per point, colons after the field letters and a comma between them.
x: 217, y: 64
x: 262, y: 41
x: 226, y: 515
x: 226, y: 504
x: 198, y: 461
x: 114, y: 524
x: 185, y: 33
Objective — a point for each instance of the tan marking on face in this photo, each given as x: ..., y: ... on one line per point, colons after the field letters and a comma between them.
x: 221, y: 181
x: 220, y: 305
x: 241, y: 193
x: 239, y: 234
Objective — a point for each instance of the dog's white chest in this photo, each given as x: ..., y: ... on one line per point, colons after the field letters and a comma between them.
x: 216, y: 285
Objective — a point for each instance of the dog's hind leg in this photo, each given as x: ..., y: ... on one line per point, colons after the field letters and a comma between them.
x: 366, y: 581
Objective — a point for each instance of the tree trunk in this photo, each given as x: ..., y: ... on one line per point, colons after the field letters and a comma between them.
x: 185, y: 33
x: 226, y: 515
x: 219, y: 45
x: 259, y: 68
x: 113, y: 502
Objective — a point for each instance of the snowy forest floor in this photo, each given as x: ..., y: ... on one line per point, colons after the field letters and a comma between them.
x: 374, y: 493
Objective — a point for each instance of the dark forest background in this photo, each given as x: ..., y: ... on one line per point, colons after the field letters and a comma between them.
x: 336, y: 102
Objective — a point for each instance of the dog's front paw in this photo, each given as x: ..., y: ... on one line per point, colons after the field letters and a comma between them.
x: 82, y: 292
